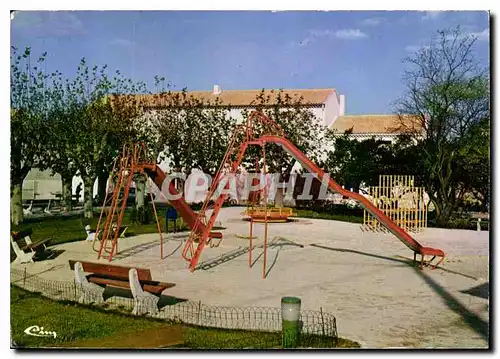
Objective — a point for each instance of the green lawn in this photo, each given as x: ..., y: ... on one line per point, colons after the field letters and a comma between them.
x: 64, y: 229
x: 308, y: 213
x: 72, y: 321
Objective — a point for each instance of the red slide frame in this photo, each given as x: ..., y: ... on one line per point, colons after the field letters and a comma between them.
x: 255, y: 116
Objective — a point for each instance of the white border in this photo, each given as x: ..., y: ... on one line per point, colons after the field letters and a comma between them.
x: 185, y: 5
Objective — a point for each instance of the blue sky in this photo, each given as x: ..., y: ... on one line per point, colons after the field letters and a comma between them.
x: 359, y: 53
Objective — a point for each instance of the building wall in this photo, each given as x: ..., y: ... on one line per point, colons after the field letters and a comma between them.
x: 45, y: 185
x: 41, y: 185
x: 332, y: 109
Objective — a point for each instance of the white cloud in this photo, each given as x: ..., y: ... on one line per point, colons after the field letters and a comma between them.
x: 481, y: 35
x: 432, y: 15
x: 122, y: 42
x: 345, y: 34
x: 350, y: 34
x: 48, y: 23
x: 373, y: 21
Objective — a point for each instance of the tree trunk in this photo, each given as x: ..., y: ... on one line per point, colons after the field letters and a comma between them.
x: 88, y: 184
x: 16, y: 201
x: 140, y: 189
x: 278, y: 198
x: 443, y: 212
x: 179, y: 183
x: 67, y: 195
x: 102, y: 185
x: 280, y: 192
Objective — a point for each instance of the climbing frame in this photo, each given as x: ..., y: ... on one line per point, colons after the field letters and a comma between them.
x: 401, y: 201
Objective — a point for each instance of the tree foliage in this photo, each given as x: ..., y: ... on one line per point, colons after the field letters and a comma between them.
x: 353, y: 163
x: 69, y: 125
x: 299, y: 124
x: 448, y: 90
x: 104, y: 122
x: 193, y: 133
x: 30, y: 104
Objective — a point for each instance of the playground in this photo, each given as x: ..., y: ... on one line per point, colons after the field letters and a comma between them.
x: 381, y: 293
x: 366, y: 279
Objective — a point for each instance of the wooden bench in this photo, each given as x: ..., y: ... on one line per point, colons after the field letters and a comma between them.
x: 145, y: 291
x: 121, y: 231
x: 91, y: 232
x: 28, y: 251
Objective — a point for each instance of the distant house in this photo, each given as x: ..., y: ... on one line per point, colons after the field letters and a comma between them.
x: 382, y: 127
x: 41, y: 185
x: 325, y: 104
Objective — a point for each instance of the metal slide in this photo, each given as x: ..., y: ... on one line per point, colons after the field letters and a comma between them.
x: 244, y: 136
x: 187, y: 214
x: 401, y: 234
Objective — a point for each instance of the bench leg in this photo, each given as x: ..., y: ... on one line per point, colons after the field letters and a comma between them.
x: 91, y: 293
x: 145, y: 303
x: 25, y: 258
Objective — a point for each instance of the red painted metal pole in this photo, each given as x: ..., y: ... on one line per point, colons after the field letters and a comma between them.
x: 158, y: 225
x: 251, y: 243
x: 265, y: 205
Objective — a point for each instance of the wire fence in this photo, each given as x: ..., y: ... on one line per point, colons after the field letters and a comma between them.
x: 315, y: 325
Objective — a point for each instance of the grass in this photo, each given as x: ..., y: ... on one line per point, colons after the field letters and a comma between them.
x: 308, y: 213
x: 71, y: 228
x: 72, y: 321
x: 63, y: 229
x: 464, y: 223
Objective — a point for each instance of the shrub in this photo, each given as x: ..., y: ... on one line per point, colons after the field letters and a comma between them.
x: 142, y: 215
x: 321, y: 206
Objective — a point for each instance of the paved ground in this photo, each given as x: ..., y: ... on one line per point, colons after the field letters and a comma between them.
x: 363, y: 278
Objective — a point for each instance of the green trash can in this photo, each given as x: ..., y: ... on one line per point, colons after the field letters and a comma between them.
x: 290, y: 315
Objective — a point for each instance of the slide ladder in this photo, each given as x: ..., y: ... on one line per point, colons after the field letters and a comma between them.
x: 200, y: 234
x: 114, y: 213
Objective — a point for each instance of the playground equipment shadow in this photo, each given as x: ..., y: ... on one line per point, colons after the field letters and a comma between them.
x: 366, y: 280
x: 479, y: 325
x: 126, y: 293
x: 276, y: 242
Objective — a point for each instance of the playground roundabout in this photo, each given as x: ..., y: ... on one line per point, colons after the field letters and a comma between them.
x: 272, y: 215
x: 365, y: 279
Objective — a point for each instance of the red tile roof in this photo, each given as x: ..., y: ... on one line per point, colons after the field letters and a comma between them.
x: 237, y: 98
x: 377, y: 124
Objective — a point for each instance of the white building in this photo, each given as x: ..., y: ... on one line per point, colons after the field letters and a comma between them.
x: 327, y: 105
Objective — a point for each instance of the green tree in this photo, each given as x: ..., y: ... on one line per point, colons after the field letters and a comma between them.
x: 449, y: 91
x: 100, y: 123
x: 60, y: 130
x: 353, y: 163
x: 474, y: 161
x: 29, y: 103
x: 193, y: 133
x: 299, y: 124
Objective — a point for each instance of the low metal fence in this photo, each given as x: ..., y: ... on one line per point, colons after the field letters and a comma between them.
x: 314, y: 324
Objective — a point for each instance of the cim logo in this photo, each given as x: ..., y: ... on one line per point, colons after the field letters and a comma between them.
x: 37, y: 331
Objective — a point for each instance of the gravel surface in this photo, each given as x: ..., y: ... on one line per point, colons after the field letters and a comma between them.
x: 363, y: 278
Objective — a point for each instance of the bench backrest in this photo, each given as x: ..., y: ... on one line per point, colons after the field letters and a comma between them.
x: 15, y: 246
x: 22, y: 234
x: 111, y: 270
